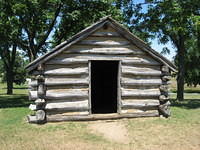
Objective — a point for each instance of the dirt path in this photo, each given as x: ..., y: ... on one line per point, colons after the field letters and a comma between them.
x: 113, y: 131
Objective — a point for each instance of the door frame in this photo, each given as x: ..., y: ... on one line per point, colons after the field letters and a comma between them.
x: 118, y: 85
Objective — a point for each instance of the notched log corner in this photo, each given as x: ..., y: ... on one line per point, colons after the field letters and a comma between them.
x: 166, y: 78
x: 163, y: 98
x: 165, y: 69
x: 163, y: 88
x: 38, y: 118
x: 40, y: 78
x: 39, y: 104
x: 164, y: 109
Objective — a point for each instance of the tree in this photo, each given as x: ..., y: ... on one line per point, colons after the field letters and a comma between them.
x: 192, y: 63
x: 10, y: 31
x: 37, y: 20
x: 168, y: 20
x: 19, y: 72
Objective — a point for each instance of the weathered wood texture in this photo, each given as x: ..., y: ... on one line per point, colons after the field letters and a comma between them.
x: 56, y: 118
x: 66, y: 113
x: 140, y: 92
x: 142, y: 110
x: 61, y: 94
x: 104, y: 50
x: 142, y: 81
x: 39, y: 117
x: 140, y: 103
x: 66, y: 71
x: 68, y: 106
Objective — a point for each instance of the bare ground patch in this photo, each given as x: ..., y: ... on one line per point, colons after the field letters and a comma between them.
x: 114, y: 131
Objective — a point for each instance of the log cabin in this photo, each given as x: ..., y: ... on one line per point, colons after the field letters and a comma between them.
x: 102, y: 72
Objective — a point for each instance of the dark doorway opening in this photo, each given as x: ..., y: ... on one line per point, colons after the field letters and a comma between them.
x: 104, y: 82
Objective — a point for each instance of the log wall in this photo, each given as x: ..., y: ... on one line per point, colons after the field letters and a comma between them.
x: 143, y: 80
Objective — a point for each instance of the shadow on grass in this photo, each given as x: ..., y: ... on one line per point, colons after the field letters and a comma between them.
x: 20, y: 100
x: 187, y: 103
x: 18, y: 88
x: 187, y: 91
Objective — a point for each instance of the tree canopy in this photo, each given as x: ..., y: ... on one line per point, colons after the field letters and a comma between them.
x: 168, y: 20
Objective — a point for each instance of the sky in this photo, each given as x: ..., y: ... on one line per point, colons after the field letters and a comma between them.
x: 158, y: 47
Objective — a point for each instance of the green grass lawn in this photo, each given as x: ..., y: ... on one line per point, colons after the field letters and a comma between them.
x: 179, y: 132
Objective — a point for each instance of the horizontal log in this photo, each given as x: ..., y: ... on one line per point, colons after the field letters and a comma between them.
x: 141, y: 61
x: 66, y: 81
x: 68, y: 106
x: 102, y: 56
x: 105, y: 50
x: 101, y: 117
x: 105, y: 34
x: 63, y: 106
x: 60, y: 80
x: 61, y: 94
x: 141, y: 68
x: 140, y: 93
x: 64, y: 113
x: 66, y: 61
x: 143, y: 110
x: 69, y: 66
x: 140, y: 87
x: 140, y: 103
x: 66, y: 93
x: 55, y: 87
x: 67, y: 71
x: 105, y: 43
x: 105, y: 39
x: 141, y: 82
x: 140, y: 71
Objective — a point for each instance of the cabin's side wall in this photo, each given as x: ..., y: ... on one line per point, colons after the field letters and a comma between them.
x: 142, y: 86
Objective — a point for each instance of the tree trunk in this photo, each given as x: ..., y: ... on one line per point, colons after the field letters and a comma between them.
x: 9, y: 60
x: 181, y: 70
x: 9, y: 78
